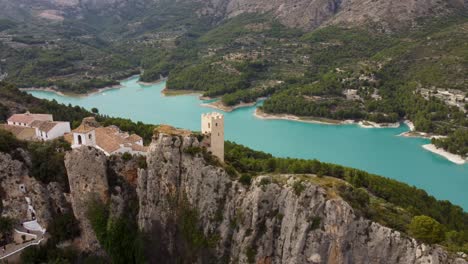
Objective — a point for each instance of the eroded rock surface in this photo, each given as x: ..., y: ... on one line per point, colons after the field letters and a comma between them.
x: 268, y: 222
x: 87, y: 174
x: 16, y: 184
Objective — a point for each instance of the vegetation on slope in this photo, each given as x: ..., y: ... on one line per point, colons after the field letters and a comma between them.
x: 307, y: 74
x: 14, y: 101
x: 252, y: 56
x: 118, y: 236
x: 391, y: 203
x: 387, y: 201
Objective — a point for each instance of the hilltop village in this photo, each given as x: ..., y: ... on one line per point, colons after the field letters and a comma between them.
x: 110, y: 140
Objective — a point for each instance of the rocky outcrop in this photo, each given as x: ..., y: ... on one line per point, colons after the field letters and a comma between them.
x: 312, y: 14
x: 305, y: 14
x: 272, y: 221
x: 87, y: 174
x: 16, y: 185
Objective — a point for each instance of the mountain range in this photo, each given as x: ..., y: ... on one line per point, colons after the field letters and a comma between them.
x: 305, y: 14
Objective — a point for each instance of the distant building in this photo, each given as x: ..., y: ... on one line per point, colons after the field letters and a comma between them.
x: 27, y: 119
x: 352, y: 94
x: 111, y: 140
x: 47, y: 130
x: 43, y: 125
x: 212, y: 126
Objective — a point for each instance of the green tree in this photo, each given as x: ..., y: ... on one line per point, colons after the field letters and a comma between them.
x: 426, y: 229
x: 6, y: 225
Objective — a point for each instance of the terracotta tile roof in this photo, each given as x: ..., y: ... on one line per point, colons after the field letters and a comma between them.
x: 133, y: 138
x: 107, y: 139
x: 83, y: 128
x: 88, y: 124
x: 111, y: 139
x: 136, y: 147
x: 45, y: 126
x: 23, y: 133
x: 28, y: 118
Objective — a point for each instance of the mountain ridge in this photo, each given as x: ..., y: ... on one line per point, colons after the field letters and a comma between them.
x: 303, y: 14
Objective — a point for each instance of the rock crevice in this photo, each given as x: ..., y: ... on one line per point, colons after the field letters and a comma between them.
x: 268, y: 222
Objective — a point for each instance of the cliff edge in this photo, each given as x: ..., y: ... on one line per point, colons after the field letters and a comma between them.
x: 197, y: 212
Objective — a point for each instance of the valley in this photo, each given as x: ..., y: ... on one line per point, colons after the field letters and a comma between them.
x: 338, y: 131
x: 335, y: 72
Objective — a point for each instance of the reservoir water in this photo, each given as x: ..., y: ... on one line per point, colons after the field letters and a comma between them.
x: 379, y: 151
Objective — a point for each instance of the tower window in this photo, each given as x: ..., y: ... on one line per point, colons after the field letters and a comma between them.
x: 79, y: 140
x: 208, y: 125
x: 216, y: 124
x: 90, y: 136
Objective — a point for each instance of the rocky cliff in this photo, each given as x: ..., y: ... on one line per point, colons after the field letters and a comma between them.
x: 307, y: 14
x: 195, y: 211
x: 312, y: 14
x: 16, y: 185
x: 87, y: 174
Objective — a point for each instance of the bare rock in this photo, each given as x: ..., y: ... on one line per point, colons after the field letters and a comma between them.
x: 16, y: 185
x: 87, y: 174
x: 268, y: 222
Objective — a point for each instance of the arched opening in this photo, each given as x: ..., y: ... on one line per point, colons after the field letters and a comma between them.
x: 90, y: 136
x: 79, y: 140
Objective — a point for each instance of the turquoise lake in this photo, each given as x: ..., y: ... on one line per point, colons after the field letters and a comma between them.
x: 379, y: 151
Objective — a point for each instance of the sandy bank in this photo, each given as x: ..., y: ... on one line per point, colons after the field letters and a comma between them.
x: 262, y: 115
x: 410, y: 125
x: 152, y: 83
x: 417, y: 134
x: 325, y: 121
x: 220, y: 106
x: 167, y: 92
x: 369, y: 124
x: 450, y: 156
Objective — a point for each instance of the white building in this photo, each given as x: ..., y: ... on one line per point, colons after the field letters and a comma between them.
x: 27, y: 119
x: 47, y: 130
x: 110, y: 140
x: 212, y: 126
x: 44, y: 125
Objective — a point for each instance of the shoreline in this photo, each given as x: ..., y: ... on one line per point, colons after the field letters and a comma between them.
x: 370, y: 124
x: 71, y: 94
x: 457, y: 159
x: 417, y: 134
x: 262, y: 115
x: 218, y: 105
x: 151, y: 83
x: 167, y: 92
x: 53, y: 89
x: 323, y: 121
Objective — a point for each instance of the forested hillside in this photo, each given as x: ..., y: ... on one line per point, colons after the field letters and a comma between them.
x: 362, y: 70
x: 388, y: 202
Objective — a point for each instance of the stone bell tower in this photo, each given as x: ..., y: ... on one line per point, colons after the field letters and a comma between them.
x: 85, y: 135
x: 212, y: 125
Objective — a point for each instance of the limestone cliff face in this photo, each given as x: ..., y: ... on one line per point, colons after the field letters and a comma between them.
x: 268, y: 222
x: 16, y: 184
x: 87, y: 174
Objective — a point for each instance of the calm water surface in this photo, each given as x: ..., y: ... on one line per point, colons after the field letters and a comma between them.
x: 378, y: 151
